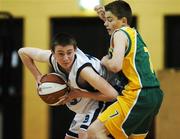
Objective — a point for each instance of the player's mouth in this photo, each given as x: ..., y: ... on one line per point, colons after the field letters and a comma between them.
x: 66, y: 64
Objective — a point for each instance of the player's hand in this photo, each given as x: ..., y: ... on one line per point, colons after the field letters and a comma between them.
x: 72, y: 94
x: 38, y: 80
x: 63, y: 100
x: 100, y: 11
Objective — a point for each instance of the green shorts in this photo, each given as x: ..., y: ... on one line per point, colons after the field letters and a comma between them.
x: 133, y: 113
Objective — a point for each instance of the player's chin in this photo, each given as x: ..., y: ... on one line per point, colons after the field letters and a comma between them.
x: 66, y: 66
x: 109, y: 31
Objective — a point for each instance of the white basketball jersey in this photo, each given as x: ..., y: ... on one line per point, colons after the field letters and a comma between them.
x: 80, y: 105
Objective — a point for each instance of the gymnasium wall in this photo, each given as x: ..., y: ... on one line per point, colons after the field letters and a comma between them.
x: 37, y: 13
x: 168, y: 122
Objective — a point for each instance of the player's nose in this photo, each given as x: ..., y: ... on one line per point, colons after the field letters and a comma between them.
x: 65, y: 57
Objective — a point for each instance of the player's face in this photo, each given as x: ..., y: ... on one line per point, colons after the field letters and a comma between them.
x: 112, y: 22
x: 65, y: 56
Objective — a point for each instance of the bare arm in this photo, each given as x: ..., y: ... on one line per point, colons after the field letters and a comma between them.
x: 106, y: 91
x: 115, y: 63
x: 30, y: 55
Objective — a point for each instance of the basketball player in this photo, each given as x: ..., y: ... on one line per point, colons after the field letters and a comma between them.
x: 131, y: 116
x: 82, y: 72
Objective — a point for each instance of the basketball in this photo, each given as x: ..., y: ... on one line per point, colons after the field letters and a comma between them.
x: 52, y: 87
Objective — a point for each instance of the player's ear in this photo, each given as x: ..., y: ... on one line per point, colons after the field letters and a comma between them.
x: 124, y: 20
x: 75, y: 48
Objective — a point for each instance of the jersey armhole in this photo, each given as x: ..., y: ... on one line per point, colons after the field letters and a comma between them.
x: 78, y: 74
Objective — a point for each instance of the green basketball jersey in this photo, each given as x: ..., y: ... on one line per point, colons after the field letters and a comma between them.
x: 137, y: 66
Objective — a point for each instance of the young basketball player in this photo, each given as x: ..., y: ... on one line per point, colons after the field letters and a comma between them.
x: 131, y: 116
x: 83, y: 72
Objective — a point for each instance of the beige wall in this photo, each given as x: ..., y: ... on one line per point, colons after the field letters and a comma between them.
x: 168, y: 121
x: 36, y: 14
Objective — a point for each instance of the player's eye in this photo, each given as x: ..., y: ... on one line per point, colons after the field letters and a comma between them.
x: 61, y: 54
x: 69, y: 53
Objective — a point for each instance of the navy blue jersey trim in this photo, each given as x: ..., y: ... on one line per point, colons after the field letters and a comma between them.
x: 72, y: 134
x: 96, y: 113
x: 84, y: 127
x: 50, y: 59
x: 89, y: 88
x: 98, y: 110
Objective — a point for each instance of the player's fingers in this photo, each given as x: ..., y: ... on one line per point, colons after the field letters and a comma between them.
x: 96, y: 7
x: 60, y: 102
x: 37, y: 85
x: 100, y: 11
x: 99, y: 8
x: 64, y: 99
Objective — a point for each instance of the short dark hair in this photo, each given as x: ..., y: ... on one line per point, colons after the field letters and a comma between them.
x: 120, y: 9
x: 63, y: 39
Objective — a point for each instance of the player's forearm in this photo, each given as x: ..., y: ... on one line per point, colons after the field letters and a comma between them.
x: 29, y: 63
x: 110, y: 64
x: 99, y: 96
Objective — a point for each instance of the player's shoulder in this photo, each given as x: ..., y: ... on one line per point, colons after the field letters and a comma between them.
x: 120, y: 34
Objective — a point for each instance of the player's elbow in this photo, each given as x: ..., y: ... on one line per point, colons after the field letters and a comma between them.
x: 21, y: 51
x: 115, y: 68
x: 113, y: 96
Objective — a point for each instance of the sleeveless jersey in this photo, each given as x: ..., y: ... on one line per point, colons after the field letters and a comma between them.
x: 82, y: 105
x: 136, y: 67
